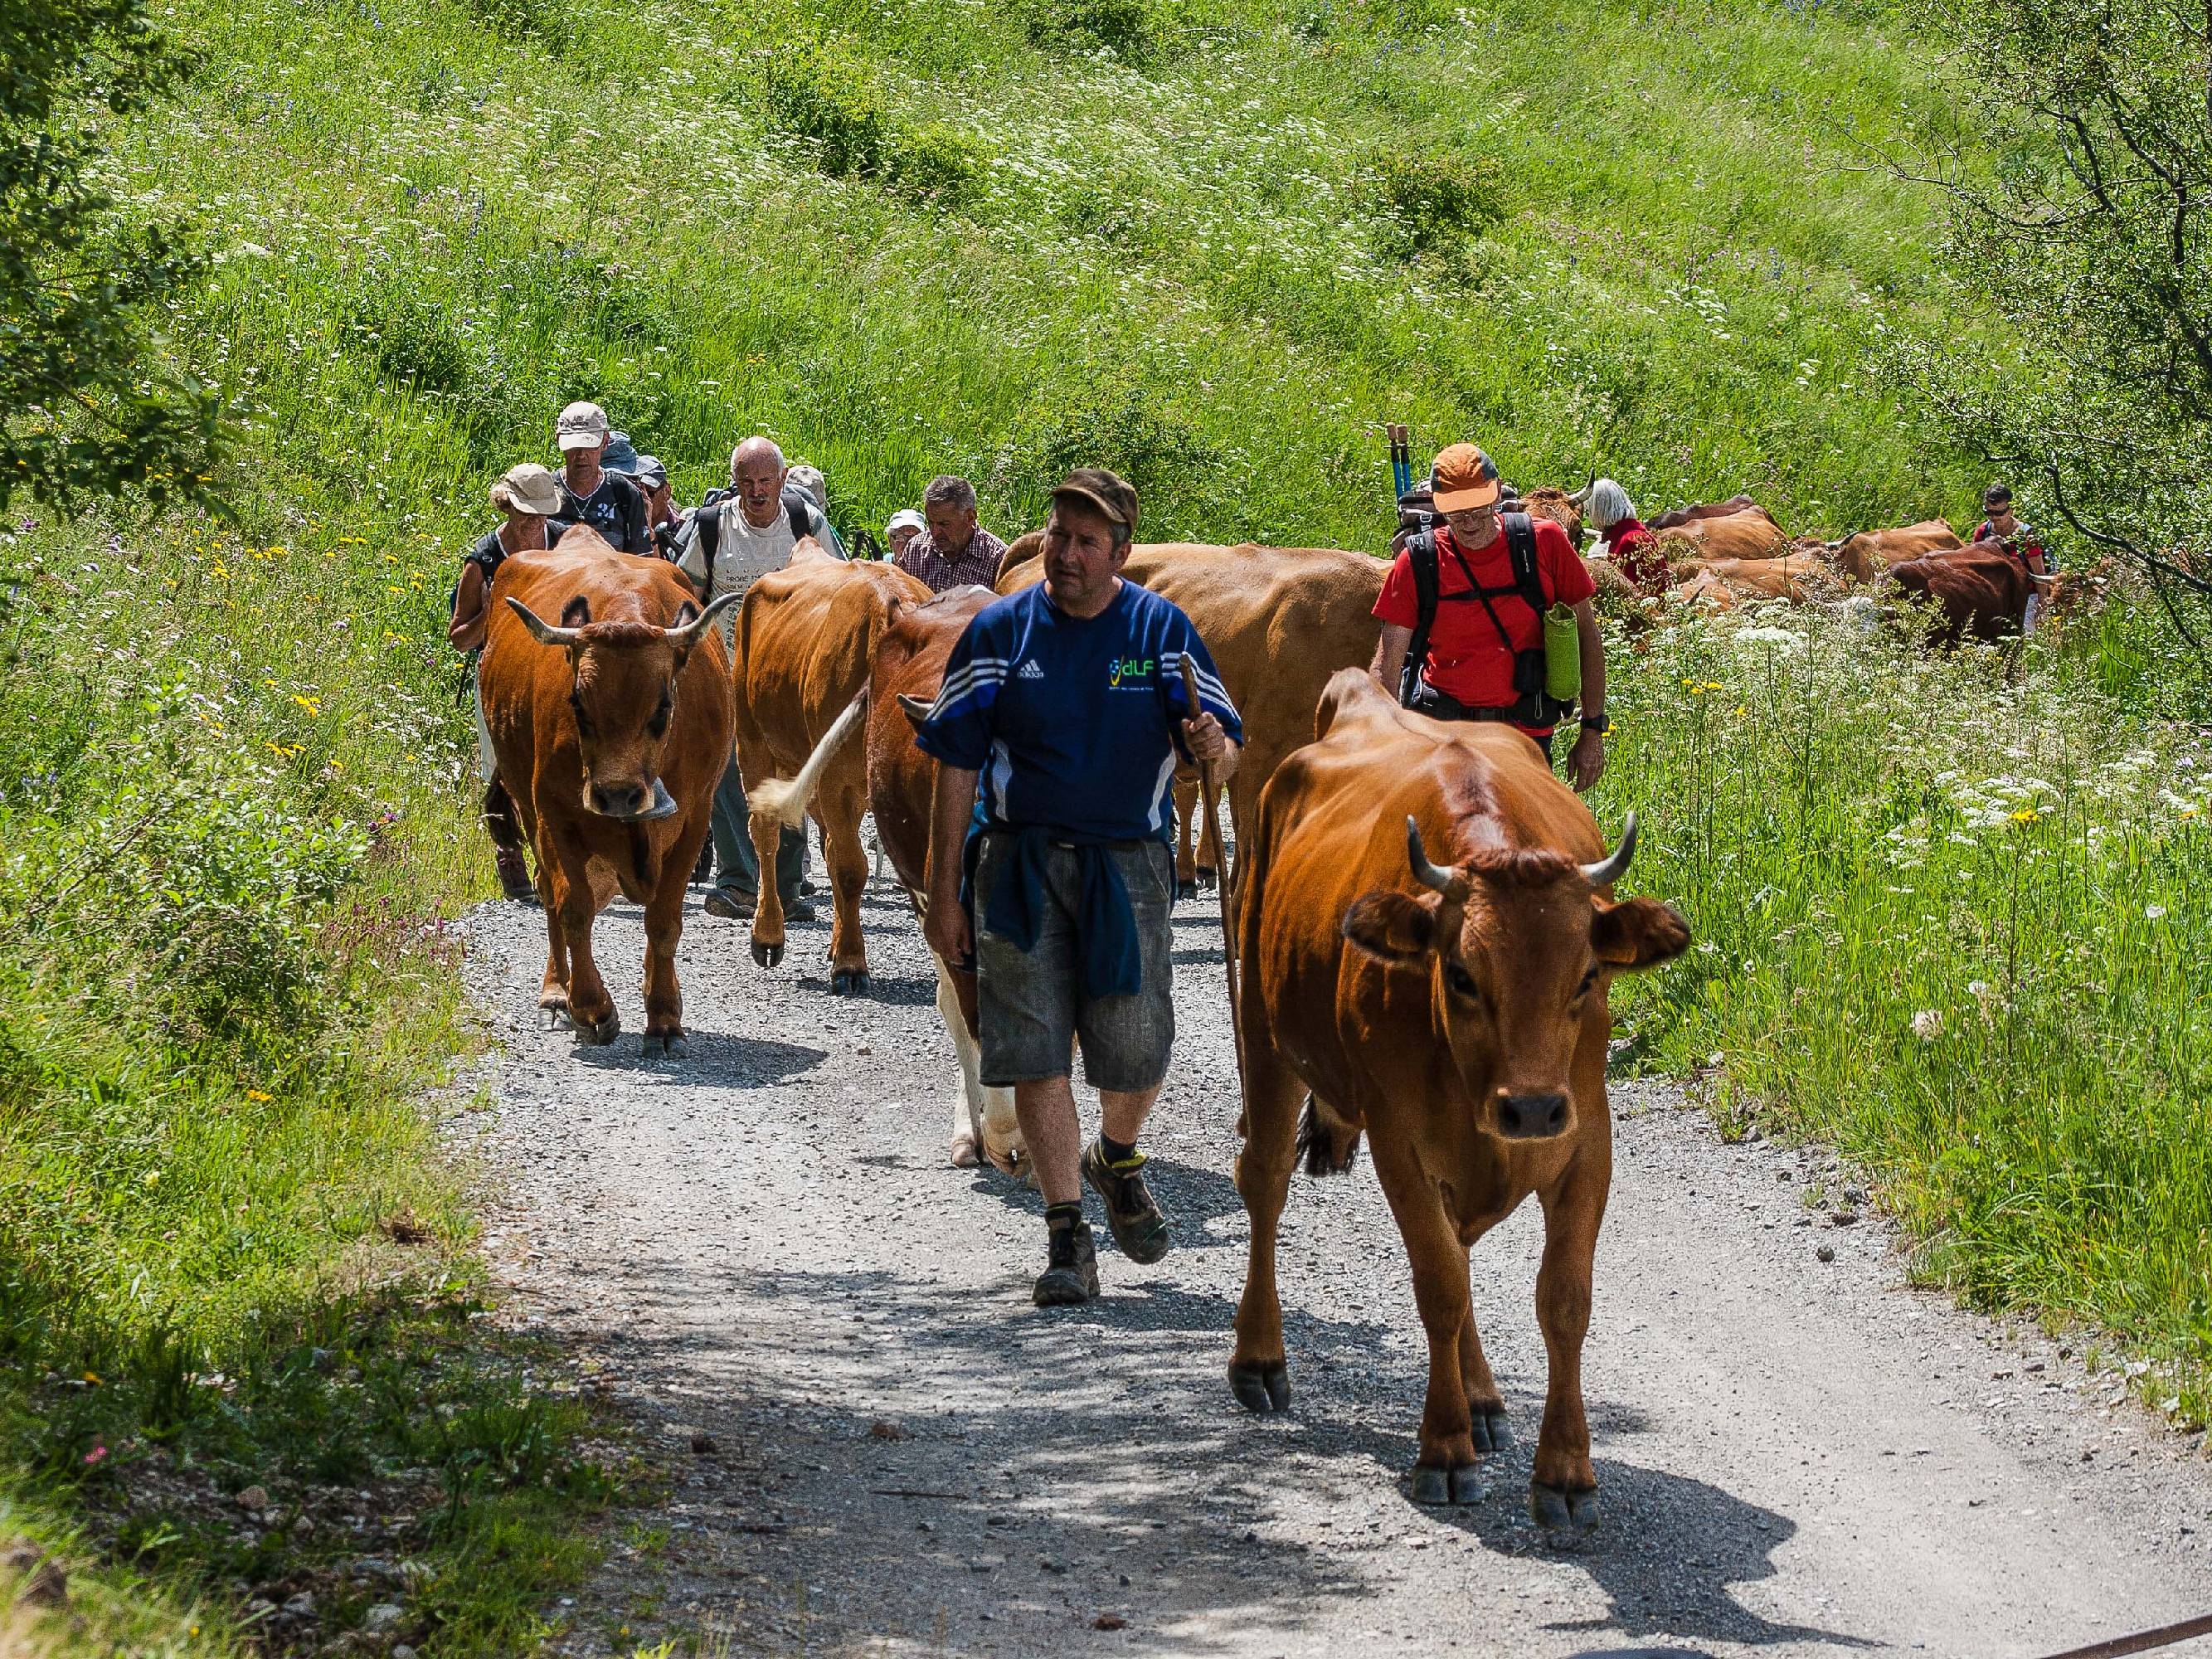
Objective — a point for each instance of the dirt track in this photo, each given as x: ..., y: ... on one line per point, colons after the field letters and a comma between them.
x: 763, y: 1245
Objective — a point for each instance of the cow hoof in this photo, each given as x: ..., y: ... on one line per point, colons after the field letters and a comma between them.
x: 849, y: 982
x: 767, y: 956
x: 599, y: 1035
x: 1185, y: 890
x: 1466, y: 1485
x: 671, y: 1044
x: 1206, y: 879
x: 554, y: 1018
x: 1556, y: 1509
x: 964, y: 1152
x: 1490, y: 1432
x: 1432, y: 1486
x: 1261, y: 1387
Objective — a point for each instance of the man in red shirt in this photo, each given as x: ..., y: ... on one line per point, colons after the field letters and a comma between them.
x: 1484, y: 656
x: 2021, y: 540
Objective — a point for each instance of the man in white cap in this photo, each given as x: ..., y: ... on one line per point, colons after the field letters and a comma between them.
x: 733, y: 538
x: 591, y: 495
x: 529, y: 496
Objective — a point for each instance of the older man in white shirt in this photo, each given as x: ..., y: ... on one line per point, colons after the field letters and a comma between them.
x: 734, y: 537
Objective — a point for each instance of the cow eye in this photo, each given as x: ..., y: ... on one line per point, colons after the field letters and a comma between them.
x: 1589, y: 980
x: 657, y: 725
x: 583, y: 719
x: 1461, y: 981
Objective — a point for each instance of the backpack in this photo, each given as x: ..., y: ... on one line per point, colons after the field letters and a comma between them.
x: 706, y: 525
x: 1534, y: 705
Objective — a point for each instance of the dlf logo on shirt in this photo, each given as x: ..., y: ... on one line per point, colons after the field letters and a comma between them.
x: 1133, y: 670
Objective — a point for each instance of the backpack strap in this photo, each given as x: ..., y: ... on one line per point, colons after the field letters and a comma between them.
x: 1421, y: 555
x: 1521, y: 547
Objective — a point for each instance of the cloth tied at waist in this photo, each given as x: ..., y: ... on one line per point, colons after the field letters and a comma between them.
x: 1113, y: 963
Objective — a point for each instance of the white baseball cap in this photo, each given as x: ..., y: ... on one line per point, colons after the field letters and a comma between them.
x: 581, y: 426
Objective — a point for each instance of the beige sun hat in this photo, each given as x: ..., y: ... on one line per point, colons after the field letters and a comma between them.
x: 527, y: 488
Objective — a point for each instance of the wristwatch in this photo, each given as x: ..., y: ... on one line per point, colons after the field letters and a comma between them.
x: 1596, y: 723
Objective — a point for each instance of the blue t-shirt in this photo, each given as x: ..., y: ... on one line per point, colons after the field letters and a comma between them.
x: 1074, y: 722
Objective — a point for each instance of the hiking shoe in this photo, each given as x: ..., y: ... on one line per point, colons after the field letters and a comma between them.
x: 1071, y: 1274
x: 515, y: 874
x: 1139, y: 1227
x: 797, y: 909
x: 733, y: 902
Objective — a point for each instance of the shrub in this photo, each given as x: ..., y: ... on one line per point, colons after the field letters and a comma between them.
x: 820, y: 91
x: 1427, y: 202
x: 1135, y: 31
x: 1181, y: 478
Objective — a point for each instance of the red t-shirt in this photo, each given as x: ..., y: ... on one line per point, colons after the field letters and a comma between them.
x: 1466, y: 660
x: 1636, y: 553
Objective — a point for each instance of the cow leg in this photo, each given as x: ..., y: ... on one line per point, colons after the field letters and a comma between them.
x: 552, y: 896
x: 1259, y: 1369
x: 1445, y: 1472
x: 767, y: 906
x: 1485, y: 1406
x: 984, y: 1128
x: 664, y: 931
x: 1564, y: 1490
x: 847, y: 861
x: 1186, y: 812
x: 591, y: 1010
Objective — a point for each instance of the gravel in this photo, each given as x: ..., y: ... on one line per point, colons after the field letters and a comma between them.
x: 872, y: 1441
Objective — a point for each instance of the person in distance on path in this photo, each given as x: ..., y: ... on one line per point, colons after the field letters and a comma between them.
x: 954, y: 551
x: 2019, y: 539
x: 1071, y: 693
x: 590, y: 493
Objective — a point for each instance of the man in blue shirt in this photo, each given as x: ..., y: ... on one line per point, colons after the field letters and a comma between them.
x: 1066, y: 702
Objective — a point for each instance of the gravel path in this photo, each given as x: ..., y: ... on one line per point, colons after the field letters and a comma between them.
x: 876, y: 1444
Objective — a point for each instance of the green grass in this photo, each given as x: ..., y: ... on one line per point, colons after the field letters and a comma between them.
x: 1214, y: 244
x: 1949, y: 916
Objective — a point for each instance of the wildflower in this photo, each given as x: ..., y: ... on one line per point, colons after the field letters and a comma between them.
x: 2153, y: 912
x: 153, y: 1178
x: 1927, y: 1025
x: 92, y: 1378
x: 257, y: 1097
x: 96, y: 1455
x: 2025, y: 815
x: 313, y: 705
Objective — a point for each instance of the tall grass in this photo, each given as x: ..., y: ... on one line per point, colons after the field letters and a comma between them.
x: 1952, y: 912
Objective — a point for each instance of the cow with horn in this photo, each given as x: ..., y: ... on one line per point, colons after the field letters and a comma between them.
x: 610, y: 726
x: 1463, y: 1032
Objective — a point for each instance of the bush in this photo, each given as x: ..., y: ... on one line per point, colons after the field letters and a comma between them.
x: 820, y: 91
x: 1181, y: 478
x: 1135, y: 31
x: 1428, y: 202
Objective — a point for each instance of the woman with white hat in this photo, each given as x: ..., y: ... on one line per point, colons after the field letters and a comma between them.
x: 906, y: 524
x: 529, y: 496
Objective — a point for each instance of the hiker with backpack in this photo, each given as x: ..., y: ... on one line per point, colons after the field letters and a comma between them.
x: 732, y: 536
x: 1487, y: 616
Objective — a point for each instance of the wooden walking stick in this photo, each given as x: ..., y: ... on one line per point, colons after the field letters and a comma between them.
x: 1209, y: 789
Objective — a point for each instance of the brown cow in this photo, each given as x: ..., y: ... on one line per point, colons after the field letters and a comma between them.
x: 1565, y: 510
x: 1980, y: 591
x: 805, y: 639
x: 1278, y: 620
x: 1866, y: 554
x: 1676, y: 518
x: 610, y: 747
x: 1799, y: 578
x: 1747, y: 535
x: 1464, y: 1031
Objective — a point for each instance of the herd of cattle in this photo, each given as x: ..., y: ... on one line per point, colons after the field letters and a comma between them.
x: 1463, y: 1031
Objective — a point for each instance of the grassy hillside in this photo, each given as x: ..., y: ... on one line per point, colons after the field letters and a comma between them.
x: 1213, y: 245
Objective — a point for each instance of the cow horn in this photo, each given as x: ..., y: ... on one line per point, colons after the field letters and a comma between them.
x: 1449, y: 882
x: 544, y: 632
x: 687, y: 635
x: 1582, y: 495
x: 1612, y: 867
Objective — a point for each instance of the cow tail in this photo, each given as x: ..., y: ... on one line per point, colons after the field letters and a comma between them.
x: 1326, y: 1147
x: 788, y: 799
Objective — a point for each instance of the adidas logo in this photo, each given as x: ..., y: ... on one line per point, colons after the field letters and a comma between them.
x: 1030, y: 671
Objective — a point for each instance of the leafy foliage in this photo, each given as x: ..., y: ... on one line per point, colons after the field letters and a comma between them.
x: 822, y: 92
x: 87, y: 406
x: 2090, y: 235
x: 1432, y: 201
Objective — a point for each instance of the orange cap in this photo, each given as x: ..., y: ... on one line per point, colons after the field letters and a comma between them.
x: 1464, y: 477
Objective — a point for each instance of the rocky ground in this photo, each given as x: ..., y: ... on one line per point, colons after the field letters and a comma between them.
x: 876, y: 1444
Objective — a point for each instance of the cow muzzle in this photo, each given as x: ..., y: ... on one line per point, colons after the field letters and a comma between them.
x: 631, y: 803
x: 1531, y: 1117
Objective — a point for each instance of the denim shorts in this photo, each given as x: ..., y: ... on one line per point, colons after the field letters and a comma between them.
x: 1032, y: 1007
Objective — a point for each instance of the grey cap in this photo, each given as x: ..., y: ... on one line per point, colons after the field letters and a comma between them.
x: 647, y: 470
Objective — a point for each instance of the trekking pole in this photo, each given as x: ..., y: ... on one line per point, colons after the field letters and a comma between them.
x: 1209, y: 788
x: 1402, y: 462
